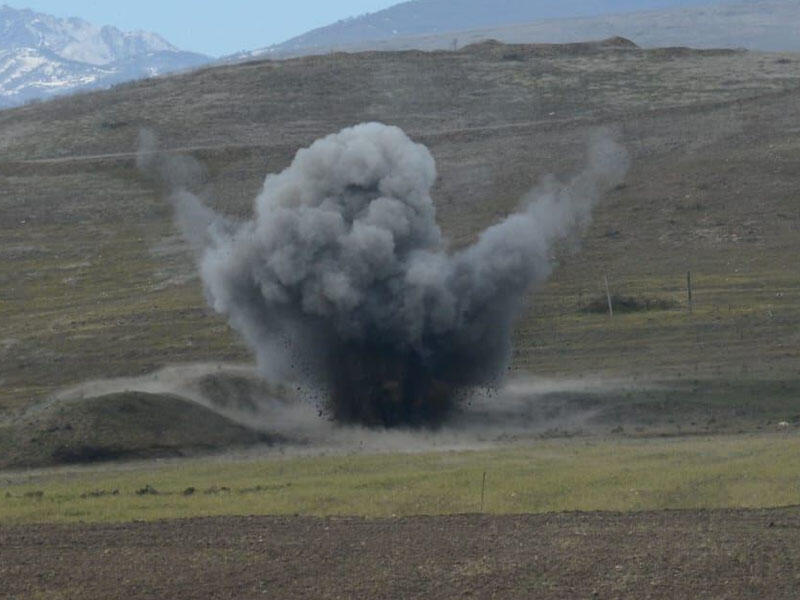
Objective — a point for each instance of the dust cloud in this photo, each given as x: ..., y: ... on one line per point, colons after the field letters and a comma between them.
x: 524, y: 408
x: 342, y: 281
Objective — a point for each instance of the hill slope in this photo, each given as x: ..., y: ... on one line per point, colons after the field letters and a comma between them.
x: 95, y: 282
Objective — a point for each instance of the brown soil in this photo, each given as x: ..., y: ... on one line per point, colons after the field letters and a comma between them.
x: 706, y: 554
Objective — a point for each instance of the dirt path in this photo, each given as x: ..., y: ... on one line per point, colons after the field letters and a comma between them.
x: 706, y: 554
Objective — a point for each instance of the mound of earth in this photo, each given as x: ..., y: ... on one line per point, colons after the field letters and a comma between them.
x: 123, y: 425
x: 237, y: 392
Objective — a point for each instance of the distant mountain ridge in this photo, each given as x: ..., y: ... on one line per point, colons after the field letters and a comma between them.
x: 427, y: 17
x: 43, y: 56
x: 764, y: 25
x: 769, y: 25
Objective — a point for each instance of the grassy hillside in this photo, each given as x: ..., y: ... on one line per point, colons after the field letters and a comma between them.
x: 95, y: 283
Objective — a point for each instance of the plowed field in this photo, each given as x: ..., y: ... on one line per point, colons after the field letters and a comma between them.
x: 676, y: 554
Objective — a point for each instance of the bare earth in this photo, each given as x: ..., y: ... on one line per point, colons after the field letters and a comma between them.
x: 683, y: 554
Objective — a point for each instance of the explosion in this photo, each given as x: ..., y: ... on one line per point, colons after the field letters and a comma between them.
x: 342, y: 280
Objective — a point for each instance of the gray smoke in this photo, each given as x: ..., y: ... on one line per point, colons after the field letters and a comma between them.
x: 342, y: 280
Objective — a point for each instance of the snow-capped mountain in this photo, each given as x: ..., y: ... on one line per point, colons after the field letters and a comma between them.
x: 43, y: 56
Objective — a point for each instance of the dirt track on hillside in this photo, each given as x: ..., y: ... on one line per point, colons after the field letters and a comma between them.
x: 684, y: 554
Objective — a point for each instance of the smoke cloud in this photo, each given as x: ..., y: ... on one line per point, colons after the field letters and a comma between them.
x: 342, y: 280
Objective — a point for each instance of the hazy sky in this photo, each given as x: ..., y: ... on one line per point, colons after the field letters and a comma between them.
x: 215, y: 28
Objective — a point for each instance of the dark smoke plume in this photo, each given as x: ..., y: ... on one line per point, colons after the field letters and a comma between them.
x: 342, y: 280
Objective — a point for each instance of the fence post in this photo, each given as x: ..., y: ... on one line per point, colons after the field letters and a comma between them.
x: 483, y: 490
x: 608, y: 297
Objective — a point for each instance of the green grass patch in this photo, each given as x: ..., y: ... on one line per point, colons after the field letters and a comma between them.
x: 556, y: 475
